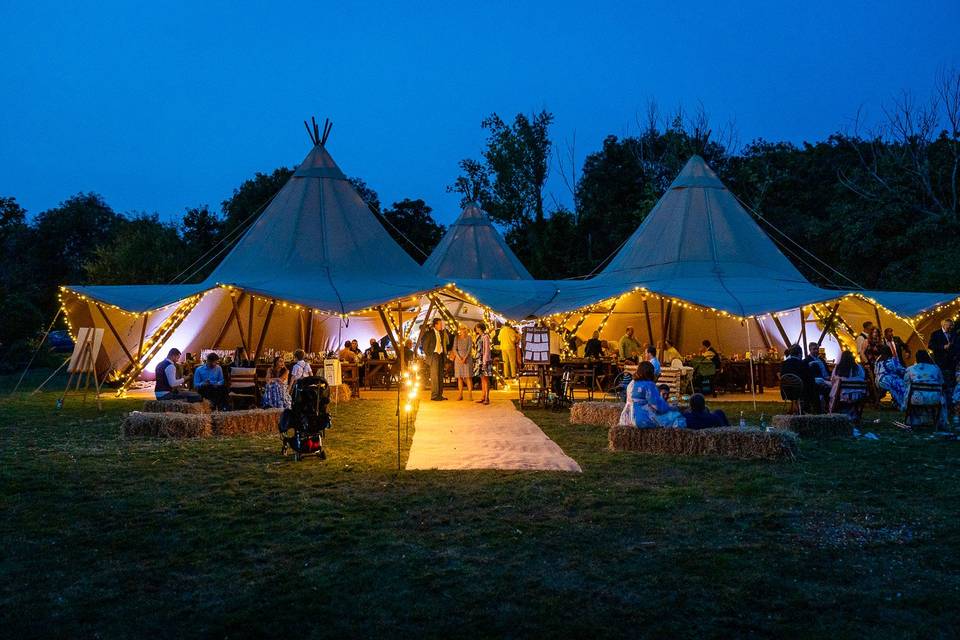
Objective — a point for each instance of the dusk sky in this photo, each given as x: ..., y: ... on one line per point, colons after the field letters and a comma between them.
x: 163, y: 106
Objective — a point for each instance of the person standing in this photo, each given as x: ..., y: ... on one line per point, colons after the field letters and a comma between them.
x: 862, y: 339
x: 300, y: 369
x: 629, y: 346
x: 435, y: 351
x: 594, y: 348
x: 507, y: 336
x: 463, y: 362
x: 897, y: 347
x: 943, y: 344
x: 484, y: 362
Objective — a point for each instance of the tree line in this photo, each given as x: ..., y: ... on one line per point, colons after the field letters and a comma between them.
x: 879, y: 204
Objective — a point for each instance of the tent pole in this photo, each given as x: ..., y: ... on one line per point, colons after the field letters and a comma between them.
x: 52, y: 322
x: 386, y: 327
x: 308, y: 344
x: 236, y: 316
x: 763, y: 334
x: 803, y: 329
x: 827, y: 323
x: 783, y: 334
x: 249, y: 344
x: 263, y: 332
x: 753, y: 386
x: 116, y: 335
x: 876, y: 311
x: 426, y: 321
x: 143, y: 334
x: 646, y: 312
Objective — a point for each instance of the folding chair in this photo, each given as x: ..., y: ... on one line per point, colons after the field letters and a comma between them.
x: 791, y: 390
x: 528, y: 385
x: 916, y: 412
x: 850, y: 387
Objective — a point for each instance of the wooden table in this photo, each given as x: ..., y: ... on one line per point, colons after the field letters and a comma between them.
x: 377, y: 373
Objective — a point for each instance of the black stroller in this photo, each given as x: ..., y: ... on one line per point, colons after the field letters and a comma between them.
x: 302, y: 427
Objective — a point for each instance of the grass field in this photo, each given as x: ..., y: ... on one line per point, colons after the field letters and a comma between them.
x: 107, y: 537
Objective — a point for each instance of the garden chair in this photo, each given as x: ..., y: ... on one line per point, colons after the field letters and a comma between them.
x: 791, y: 390
x: 917, y: 412
x: 528, y: 385
x: 618, y: 392
x: 243, y: 390
x: 850, y: 388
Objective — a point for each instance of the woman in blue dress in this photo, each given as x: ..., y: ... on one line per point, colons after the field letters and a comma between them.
x: 890, y: 374
x: 645, y: 408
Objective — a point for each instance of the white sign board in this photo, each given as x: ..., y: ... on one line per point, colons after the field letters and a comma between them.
x: 536, y: 346
x: 82, y: 360
x: 331, y: 372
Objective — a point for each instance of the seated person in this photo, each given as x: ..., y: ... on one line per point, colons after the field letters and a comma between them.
x: 276, y: 395
x: 240, y: 358
x: 670, y: 352
x: 890, y: 374
x: 821, y: 376
x: 408, y: 351
x: 664, y: 390
x: 793, y: 365
x: 593, y: 348
x: 710, y: 352
x: 208, y: 381
x: 168, y: 385
x: 347, y: 354
x: 925, y: 372
x: 846, y: 400
x: 650, y: 355
x: 644, y: 407
x: 700, y: 417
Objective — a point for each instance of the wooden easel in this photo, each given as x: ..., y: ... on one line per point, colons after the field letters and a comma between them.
x: 83, y: 365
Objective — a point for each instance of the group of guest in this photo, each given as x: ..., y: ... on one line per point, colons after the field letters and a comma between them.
x: 471, y: 356
x: 648, y: 405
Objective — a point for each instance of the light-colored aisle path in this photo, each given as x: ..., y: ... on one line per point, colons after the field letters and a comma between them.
x: 466, y: 435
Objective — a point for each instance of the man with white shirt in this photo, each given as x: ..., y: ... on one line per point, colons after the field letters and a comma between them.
x: 435, y: 351
x: 168, y: 386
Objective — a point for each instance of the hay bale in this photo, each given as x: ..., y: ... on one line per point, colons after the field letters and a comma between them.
x: 177, y: 406
x: 167, y: 425
x: 340, y: 393
x: 230, y: 423
x: 603, y: 414
x: 727, y: 442
x: 828, y: 425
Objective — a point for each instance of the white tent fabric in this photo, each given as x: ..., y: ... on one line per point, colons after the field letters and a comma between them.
x: 473, y: 248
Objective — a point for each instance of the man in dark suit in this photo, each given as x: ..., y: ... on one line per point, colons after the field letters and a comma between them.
x: 435, y: 351
x: 944, y: 345
x: 897, y: 347
x: 793, y: 364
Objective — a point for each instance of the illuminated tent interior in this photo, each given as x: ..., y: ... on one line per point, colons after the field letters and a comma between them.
x: 699, y: 267
x: 314, y: 269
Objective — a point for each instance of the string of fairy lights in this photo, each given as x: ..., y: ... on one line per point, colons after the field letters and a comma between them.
x: 559, y: 320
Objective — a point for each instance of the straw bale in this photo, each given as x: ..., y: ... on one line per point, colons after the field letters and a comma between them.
x: 727, y: 442
x: 229, y: 423
x: 340, y: 393
x: 602, y: 414
x: 167, y: 425
x: 828, y: 425
x: 177, y: 406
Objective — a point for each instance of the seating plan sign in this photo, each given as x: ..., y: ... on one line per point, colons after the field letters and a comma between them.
x: 536, y: 346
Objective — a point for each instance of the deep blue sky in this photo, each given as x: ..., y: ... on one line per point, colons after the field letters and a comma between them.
x: 163, y: 107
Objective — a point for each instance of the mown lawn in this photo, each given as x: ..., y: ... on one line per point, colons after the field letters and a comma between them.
x: 101, y: 536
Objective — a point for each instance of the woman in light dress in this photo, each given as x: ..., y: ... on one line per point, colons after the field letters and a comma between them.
x: 846, y: 400
x: 890, y: 374
x: 926, y: 372
x: 645, y: 408
x: 463, y: 362
x: 483, y: 365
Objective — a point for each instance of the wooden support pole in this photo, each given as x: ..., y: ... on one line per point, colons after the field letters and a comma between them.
x: 426, y: 323
x: 263, y: 332
x: 876, y: 311
x: 308, y: 345
x: 783, y: 334
x: 236, y: 316
x: 663, y: 328
x: 301, y: 330
x: 646, y: 312
x: 828, y: 323
x: 763, y: 333
x: 157, y: 340
x: 387, y: 327
x: 249, y: 344
x: 143, y: 334
x: 103, y: 314
x: 803, y: 329
x: 226, y: 325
